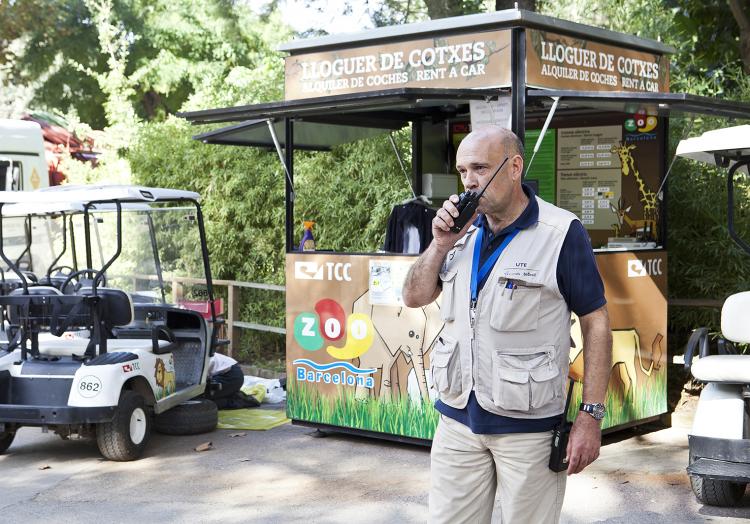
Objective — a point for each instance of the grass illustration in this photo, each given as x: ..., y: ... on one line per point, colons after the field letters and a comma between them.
x: 401, y: 416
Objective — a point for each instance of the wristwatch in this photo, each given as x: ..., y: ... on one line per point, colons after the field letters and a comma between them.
x: 595, y: 410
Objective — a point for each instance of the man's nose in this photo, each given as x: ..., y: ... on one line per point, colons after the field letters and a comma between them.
x: 471, y: 181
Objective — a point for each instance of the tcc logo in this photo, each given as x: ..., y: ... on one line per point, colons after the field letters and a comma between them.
x: 327, y: 271
x: 644, y: 268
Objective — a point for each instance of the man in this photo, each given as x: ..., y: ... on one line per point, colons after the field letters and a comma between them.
x: 510, y: 279
x: 226, y: 378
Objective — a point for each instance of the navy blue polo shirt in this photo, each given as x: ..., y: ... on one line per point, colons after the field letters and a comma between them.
x: 580, y: 285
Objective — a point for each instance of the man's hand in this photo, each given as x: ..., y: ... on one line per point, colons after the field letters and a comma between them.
x: 443, y: 221
x: 422, y: 283
x: 584, y: 443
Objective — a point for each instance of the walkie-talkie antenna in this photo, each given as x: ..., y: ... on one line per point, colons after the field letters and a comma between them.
x: 491, y: 179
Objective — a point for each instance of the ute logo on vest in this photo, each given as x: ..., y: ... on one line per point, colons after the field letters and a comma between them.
x: 326, y: 271
x: 644, y: 268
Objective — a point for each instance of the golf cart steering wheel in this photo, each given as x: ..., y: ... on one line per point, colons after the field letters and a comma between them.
x: 59, y: 269
x: 77, y: 274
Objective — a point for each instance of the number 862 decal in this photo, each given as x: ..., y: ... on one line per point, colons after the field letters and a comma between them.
x: 89, y: 386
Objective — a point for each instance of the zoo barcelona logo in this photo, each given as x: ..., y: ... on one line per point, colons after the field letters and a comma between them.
x: 329, y: 324
x: 640, y: 126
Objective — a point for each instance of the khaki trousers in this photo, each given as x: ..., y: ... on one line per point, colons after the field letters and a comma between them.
x: 471, y: 473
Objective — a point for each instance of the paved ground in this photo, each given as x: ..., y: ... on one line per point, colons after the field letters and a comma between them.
x: 285, y: 475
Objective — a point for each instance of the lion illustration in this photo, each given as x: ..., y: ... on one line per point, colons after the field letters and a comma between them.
x: 164, y: 379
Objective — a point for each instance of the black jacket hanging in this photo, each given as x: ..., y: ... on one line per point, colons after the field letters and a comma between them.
x: 402, y: 217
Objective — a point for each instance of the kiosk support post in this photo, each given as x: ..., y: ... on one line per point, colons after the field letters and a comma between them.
x: 416, y: 156
x: 289, y: 190
x: 518, y: 82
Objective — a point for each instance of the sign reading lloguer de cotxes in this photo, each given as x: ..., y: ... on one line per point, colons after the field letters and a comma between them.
x: 474, y: 60
x: 562, y: 62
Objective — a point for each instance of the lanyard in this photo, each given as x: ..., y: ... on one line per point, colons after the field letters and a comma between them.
x: 478, y: 274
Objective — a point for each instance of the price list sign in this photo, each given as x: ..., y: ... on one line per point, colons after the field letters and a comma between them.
x: 589, y: 174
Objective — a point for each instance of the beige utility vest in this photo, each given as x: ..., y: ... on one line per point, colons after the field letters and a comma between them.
x: 515, y: 357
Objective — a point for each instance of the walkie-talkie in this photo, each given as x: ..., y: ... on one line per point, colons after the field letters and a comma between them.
x: 468, y: 202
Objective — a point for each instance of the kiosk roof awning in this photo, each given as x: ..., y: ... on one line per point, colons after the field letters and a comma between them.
x: 307, y: 135
x: 386, y: 109
x: 660, y: 104
x: 320, y: 123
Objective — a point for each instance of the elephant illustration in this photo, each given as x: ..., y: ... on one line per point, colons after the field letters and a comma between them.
x: 400, y: 333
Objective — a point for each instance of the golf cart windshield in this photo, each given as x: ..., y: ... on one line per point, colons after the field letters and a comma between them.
x: 150, y: 249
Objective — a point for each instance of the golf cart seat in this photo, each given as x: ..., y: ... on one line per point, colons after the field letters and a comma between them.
x: 117, y: 306
x: 66, y: 346
x: 724, y: 368
x: 116, y: 310
x: 36, y: 291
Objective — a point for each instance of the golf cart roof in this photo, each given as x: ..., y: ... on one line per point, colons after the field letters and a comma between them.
x: 69, y: 208
x: 717, y: 147
x: 75, y: 197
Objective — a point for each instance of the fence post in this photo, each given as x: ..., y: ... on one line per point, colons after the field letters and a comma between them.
x: 233, y: 313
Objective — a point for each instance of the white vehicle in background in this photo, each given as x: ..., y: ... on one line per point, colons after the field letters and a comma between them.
x: 23, y: 166
x: 719, y: 441
x: 97, y: 343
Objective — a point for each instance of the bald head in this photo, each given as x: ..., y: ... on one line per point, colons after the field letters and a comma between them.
x: 497, y: 138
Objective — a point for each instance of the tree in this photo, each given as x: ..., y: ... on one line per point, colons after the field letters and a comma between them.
x: 739, y: 11
x: 447, y: 8
x: 529, y: 5
x: 172, y: 49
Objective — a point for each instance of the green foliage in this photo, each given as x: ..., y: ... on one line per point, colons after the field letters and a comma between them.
x: 704, y: 262
x: 350, y: 192
x: 169, y: 51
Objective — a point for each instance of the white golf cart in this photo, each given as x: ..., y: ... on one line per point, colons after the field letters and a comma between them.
x: 97, y: 339
x: 719, y: 441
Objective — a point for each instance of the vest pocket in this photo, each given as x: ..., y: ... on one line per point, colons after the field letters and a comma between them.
x: 445, y: 365
x: 516, y: 309
x: 525, y: 378
x: 448, y: 279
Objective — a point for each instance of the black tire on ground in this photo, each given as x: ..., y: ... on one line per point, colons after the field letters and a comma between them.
x: 717, y: 492
x: 6, y: 439
x: 189, y: 418
x: 126, y: 435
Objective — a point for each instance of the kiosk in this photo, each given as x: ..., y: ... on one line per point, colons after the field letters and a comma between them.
x: 592, y: 107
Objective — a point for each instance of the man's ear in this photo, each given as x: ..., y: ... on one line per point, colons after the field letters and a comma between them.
x: 516, y: 167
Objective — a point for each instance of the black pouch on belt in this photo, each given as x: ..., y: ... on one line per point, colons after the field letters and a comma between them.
x: 558, y: 460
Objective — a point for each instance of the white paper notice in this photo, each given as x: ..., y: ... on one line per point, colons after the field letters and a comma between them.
x: 387, y: 281
x: 494, y: 112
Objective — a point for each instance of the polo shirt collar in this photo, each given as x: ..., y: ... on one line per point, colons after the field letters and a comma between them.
x: 528, y: 218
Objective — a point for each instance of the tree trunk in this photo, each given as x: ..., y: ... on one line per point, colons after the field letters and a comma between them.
x: 528, y: 5
x: 740, y: 15
x: 444, y: 8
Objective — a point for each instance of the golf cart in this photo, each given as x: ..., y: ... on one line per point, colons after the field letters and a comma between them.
x: 96, y: 339
x: 719, y: 441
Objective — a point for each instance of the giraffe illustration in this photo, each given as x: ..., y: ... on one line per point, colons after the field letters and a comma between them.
x: 648, y: 197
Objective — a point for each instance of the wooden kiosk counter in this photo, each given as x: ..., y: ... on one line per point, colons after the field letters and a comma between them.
x: 357, y: 359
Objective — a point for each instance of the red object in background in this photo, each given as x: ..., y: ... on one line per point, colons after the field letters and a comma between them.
x: 57, y: 141
x: 203, y: 307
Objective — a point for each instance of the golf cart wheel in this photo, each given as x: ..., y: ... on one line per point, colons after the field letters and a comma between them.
x: 6, y: 439
x: 717, y: 492
x: 125, y: 436
x: 189, y: 418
